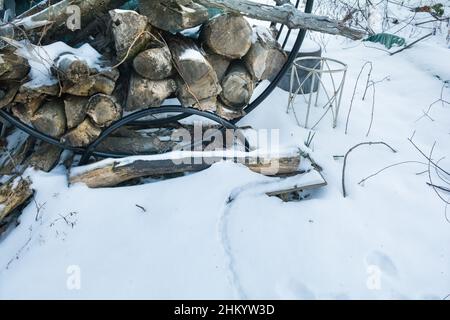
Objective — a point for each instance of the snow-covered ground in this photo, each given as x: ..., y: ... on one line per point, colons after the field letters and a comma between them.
x: 389, y: 239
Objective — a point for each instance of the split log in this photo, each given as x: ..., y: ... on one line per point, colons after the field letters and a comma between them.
x: 13, y: 194
x: 83, y: 135
x: 13, y: 67
x: 286, y: 14
x: 277, y: 58
x: 174, y: 15
x: 27, y: 93
x: 45, y: 157
x: 131, y: 33
x: 199, y: 80
x: 237, y: 86
x: 30, y: 98
x: 145, y: 93
x: 154, y: 63
x: 110, y: 174
x: 21, y: 112
x: 229, y: 35
x: 104, y: 110
x: 265, y: 57
x: 75, y: 108
x: 51, y: 118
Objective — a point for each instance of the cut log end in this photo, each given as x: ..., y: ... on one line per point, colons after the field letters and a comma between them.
x: 229, y: 35
x: 103, y: 110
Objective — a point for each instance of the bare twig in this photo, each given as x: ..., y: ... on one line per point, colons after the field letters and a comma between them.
x: 388, y: 167
x: 344, y: 192
x: 430, y: 178
x: 441, y: 100
x: 368, y: 63
x: 373, y: 110
x: 426, y: 157
x: 438, y: 187
x: 141, y: 207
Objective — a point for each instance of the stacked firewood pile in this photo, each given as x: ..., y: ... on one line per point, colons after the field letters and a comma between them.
x: 213, y: 68
x: 73, y: 84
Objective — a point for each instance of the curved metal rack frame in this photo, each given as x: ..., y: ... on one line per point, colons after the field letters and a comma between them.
x: 134, y: 118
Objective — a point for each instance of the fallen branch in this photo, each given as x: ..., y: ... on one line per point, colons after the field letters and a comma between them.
x: 112, y: 173
x: 411, y: 44
x: 344, y: 192
x: 286, y: 14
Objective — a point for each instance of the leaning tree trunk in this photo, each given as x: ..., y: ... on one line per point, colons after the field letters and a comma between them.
x: 286, y: 14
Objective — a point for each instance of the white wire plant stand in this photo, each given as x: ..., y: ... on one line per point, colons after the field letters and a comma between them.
x: 320, y: 82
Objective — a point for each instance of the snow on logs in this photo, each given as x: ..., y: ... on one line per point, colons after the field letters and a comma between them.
x: 73, y: 94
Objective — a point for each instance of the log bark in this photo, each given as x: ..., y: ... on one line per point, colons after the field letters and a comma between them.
x: 104, y: 110
x: 174, y: 15
x: 265, y: 57
x: 134, y: 145
x: 13, y: 194
x: 51, y: 118
x: 199, y: 80
x: 286, y: 14
x: 154, y: 63
x: 112, y: 174
x: 228, y: 35
x: 131, y: 33
x: 145, y: 93
x: 196, y: 95
x: 237, y: 86
x: 83, y: 135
